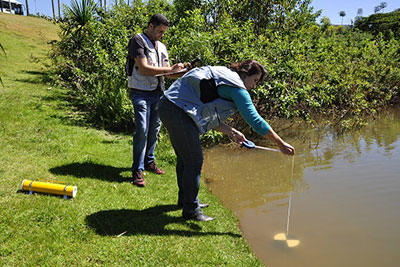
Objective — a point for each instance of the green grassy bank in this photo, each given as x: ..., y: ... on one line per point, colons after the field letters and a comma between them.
x: 109, y: 222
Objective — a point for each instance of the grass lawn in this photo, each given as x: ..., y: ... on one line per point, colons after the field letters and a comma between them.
x: 109, y: 222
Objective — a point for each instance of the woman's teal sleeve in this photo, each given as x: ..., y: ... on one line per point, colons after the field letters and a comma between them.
x: 246, y: 108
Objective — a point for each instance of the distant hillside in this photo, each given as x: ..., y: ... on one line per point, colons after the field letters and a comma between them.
x: 382, y: 22
x: 25, y: 40
x: 37, y: 29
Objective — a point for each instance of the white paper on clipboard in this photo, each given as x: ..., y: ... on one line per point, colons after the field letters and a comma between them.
x: 172, y: 72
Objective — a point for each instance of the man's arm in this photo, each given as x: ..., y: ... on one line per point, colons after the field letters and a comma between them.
x: 149, y: 70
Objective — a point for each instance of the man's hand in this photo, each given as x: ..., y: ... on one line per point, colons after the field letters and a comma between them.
x: 178, y: 67
x: 188, y: 65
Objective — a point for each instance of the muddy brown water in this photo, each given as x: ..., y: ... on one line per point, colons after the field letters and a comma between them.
x: 345, y: 196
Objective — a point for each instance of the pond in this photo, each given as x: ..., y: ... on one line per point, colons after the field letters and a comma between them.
x: 343, y: 191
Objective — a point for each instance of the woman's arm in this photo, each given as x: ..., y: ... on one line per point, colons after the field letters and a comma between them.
x: 242, y: 100
x: 238, y: 137
x: 284, y: 147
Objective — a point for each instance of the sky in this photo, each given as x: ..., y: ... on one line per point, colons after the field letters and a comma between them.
x: 330, y: 8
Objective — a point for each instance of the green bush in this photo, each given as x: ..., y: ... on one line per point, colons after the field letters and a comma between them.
x: 387, y: 24
x: 313, y: 70
x: 340, y: 75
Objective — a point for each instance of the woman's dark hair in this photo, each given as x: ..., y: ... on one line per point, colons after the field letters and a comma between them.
x: 158, y: 19
x: 248, y: 68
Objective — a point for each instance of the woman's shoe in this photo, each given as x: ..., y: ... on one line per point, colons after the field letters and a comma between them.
x: 198, y: 216
x: 201, y: 205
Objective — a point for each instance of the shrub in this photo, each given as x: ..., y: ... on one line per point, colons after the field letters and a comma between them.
x: 387, y: 24
x: 313, y: 70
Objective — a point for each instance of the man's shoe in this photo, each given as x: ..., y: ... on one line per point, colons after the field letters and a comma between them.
x: 201, y: 205
x: 138, y: 179
x: 152, y: 167
x: 198, y: 216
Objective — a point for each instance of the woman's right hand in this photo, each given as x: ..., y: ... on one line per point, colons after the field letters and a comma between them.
x: 286, y: 148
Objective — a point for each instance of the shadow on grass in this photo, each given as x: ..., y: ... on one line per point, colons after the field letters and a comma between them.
x: 38, y: 77
x: 20, y: 191
x: 91, y: 170
x: 151, y: 221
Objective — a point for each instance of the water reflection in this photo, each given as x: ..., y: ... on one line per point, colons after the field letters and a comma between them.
x: 346, y: 191
x: 250, y: 178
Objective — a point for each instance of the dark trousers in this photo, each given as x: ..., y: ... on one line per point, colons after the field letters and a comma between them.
x: 185, y: 139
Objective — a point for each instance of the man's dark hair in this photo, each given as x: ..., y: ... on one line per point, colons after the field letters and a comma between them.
x: 158, y: 19
x: 248, y: 68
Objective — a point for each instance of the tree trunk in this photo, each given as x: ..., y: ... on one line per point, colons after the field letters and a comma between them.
x: 59, y: 10
x: 54, y: 13
x: 27, y: 7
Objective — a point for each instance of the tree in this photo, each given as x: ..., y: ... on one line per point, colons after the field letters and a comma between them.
x: 386, y: 23
x: 383, y: 5
x: 262, y: 13
x: 325, y: 23
x: 80, y: 13
x: 359, y: 15
x: 342, y: 14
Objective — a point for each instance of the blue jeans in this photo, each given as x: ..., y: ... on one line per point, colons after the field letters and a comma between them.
x: 147, y: 120
x: 185, y: 139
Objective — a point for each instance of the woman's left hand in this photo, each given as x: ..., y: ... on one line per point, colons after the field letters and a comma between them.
x: 237, y: 136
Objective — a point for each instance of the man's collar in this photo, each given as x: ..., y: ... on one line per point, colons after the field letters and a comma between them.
x: 149, y: 38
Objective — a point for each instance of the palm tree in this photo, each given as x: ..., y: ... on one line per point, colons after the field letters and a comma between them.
x: 342, y: 14
x: 383, y: 5
x: 81, y: 12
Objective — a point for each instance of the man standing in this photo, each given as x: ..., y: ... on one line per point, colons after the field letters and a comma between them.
x: 147, y: 58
